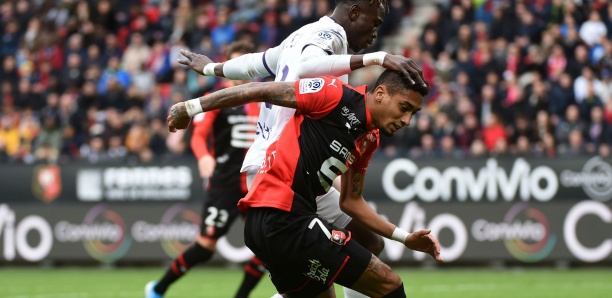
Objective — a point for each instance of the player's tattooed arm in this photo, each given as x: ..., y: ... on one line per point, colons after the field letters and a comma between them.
x: 276, y: 93
x: 357, y: 183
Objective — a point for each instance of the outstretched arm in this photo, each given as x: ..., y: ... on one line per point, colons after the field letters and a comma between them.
x: 276, y: 93
x: 315, y: 62
x: 245, y: 67
x: 353, y: 203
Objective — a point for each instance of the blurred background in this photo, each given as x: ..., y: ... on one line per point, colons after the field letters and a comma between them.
x: 508, y: 162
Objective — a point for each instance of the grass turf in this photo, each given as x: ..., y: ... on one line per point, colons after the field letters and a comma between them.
x: 220, y: 282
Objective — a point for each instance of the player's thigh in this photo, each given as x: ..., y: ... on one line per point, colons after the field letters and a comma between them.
x: 304, y: 254
x: 219, y: 211
x: 377, y: 279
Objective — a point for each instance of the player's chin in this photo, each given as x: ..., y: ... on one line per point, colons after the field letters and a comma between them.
x: 387, y: 132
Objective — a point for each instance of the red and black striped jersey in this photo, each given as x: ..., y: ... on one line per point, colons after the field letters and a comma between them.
x: 225, y: 134
x: 330, y: 132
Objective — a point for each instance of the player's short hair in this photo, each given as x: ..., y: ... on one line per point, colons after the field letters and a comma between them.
x: 241, y: 46
x: 396, y: 82
x: 369, y: 2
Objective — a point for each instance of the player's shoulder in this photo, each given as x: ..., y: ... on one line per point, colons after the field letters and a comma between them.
x: 325, y: 27
x: 314, y: 85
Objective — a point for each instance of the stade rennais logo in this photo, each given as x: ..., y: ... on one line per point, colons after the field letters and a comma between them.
x: 102, y: 232
x: 47, y: 182
x: 177, y: 229
x: 525, y: 232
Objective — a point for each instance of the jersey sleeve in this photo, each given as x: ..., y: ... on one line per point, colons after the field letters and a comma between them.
x: 202, y: 129
x: 316, y: 97
x: 371, y: 142
x: 328, y: 40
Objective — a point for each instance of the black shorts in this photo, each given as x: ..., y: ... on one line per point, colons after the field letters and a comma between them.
x: 219, y: 211
x: 304, y: 254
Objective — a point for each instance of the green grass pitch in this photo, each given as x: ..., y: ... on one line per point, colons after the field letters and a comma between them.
x: 221, y: 282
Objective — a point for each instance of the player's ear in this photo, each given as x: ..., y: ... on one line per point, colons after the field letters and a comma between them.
x: 380, y: 92
x: 354, y: 12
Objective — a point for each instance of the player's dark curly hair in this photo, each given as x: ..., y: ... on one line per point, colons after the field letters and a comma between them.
x: 241, y: 46
x: 397, y: 82
x: 369, y: 2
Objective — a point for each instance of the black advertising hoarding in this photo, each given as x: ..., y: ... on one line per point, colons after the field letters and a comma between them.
x: 397, y: 180
x: 521, y: 232
x: 53, y: 184
x: 106, y: 233
x: 489, y: 180
x: 525, y: 210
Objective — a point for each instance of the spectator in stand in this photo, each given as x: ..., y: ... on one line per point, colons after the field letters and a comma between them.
x: 115, y: 73
x: 494, y: 133
x: 571, y: 123
x: 136, y: 53
x: 593, y: 30
x: 561, y: 96
x: 587, y: 83
x: 580, y: 60
x: 49, y: 142
x: 597, y: 131
x: 481, y: 40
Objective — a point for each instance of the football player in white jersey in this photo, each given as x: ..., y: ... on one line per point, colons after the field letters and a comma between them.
x: 316, y: 49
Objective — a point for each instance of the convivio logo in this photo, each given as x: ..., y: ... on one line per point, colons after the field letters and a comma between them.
x: 595, y: 179
x: 532, y: 239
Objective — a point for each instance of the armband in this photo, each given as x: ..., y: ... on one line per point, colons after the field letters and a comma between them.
x: 376, y: 58
x: 399, y: 235
x: 193, y: 107
x: 209, y: 69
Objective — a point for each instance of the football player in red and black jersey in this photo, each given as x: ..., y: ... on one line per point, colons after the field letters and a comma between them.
x: 219, y: 141
x: 333, y: 132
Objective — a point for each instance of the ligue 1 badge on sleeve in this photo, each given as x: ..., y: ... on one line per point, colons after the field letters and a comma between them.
x: 47, y: 182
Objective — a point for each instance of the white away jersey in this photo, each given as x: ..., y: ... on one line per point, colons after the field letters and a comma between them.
x: 283, y: 62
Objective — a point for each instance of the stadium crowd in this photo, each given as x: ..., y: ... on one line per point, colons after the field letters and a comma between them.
x: 92, y: 80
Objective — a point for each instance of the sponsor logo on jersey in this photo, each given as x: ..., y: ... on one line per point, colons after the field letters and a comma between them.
x: 316, y: 271
x: 350, y: 116
x: 311, y: 85
x: 333, y: 83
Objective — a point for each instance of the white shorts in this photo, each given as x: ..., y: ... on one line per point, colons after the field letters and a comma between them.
x: 328, y: 205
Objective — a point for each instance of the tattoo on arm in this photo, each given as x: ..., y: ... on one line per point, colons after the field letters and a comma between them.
x: 176, y: 111
x: 276, y: 93
x: 357, y: 182
x: 281, y: 94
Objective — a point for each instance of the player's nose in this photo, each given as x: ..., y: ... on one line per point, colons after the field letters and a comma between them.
x: 406, y: 119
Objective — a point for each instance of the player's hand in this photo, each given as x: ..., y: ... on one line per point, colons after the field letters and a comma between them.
x: 178, y: 117
x: 194, y: 61
x: 423, y: 241
x: 407, y: 66
x: 206, y: 166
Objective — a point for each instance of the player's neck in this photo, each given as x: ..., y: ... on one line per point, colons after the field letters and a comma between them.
x: 338, y: 18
